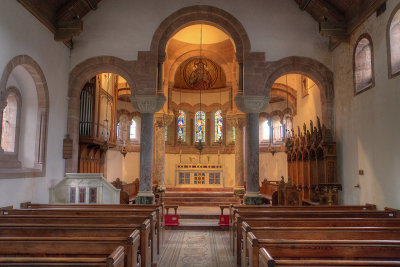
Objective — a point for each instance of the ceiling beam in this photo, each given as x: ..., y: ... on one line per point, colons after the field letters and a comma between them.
x: 330, y: 10
x: 66, y: 8
x: 360, y: 11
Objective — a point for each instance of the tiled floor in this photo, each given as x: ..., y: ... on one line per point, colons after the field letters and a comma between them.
x: 195, y: 249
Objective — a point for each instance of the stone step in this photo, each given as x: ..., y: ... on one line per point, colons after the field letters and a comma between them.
x: 177, y: 189
x: 198, y: 224
x: 200, y: 199
x: 199, y: 194
x: 183, y: 203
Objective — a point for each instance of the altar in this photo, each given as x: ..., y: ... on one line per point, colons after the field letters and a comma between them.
x: 199, y: 175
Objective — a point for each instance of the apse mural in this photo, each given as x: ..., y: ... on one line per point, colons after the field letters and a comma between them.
x: 199, y: 74
x: 200, y: 126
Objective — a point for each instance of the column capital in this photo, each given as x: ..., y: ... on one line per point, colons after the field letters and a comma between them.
x: 236, y: 120
x: 252, y: 103
x: 148, y: 103
x: 161, y: 119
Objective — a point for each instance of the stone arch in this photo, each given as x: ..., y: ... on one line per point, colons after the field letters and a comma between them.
x: 81, y: 74
x: 35, y: 71
x: 313, y: 69
x: 189, y: 15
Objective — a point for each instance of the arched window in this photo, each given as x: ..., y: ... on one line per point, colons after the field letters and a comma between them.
x: 166, y: 133
x: 218, y: 125
x: 266, y: 131
x: 9, y: 124
x: 233, y: 133
x: 363, y: 64
x: 118, y: 135
x: 276, y: 129
x: 132, y: 131
x: 200, y: 127
x: 182, y: 126
x: 394, y: 42
x: 287, y: 126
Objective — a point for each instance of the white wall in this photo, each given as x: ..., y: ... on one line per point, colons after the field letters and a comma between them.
x: 272, y: 167
x: 121, y: 28
x: 368, y: 125
x: 114, y: 160
x: 22, y: 34
x: 131, y: 167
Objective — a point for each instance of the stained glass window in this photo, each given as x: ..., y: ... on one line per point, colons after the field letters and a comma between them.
x: 200, y: 126
x: 181, y: 125
x: 9, y: 125
x: 166, y: 133
x: 118, y: 131
x: 132, y: 130
x: 218, y: 125
x: 233, y: 133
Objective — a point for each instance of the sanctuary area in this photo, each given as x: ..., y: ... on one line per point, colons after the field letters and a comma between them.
x: 199, y: 133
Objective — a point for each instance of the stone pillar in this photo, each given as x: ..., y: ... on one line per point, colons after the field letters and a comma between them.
x: 252, y: 106
x: 161, y: 121
x: 238, y: 121
x: 147, y: 105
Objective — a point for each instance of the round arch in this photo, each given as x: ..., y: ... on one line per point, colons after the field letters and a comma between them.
x: 313, y: 69
x: 209, y: 14
x: 79, y: 75
x: 35, y: 71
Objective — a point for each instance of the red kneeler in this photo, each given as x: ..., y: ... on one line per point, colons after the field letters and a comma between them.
x: 224, y: 220
x: 171, y: 220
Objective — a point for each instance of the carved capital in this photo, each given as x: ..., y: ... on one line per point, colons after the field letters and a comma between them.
x: 147, y: 103
x: 252, y: 103
x: 237, y: 120
x: 161, y: 120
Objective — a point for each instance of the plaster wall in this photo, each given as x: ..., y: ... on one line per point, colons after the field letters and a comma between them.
x: 367, y: 124
x: 22, y: 34
x: 308, y: 107
x: 227, y: 160
x: 114, y: 165
x: 130, y: 167
x: 273, y: 167
x: 121, y: 28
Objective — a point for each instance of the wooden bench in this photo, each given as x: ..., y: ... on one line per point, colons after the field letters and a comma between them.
x: 251, y: 245
x: 141, y: 223
x: 266, y: 260
x: 157, y: 208
x: 297, y: 212
x: 102, y: 212
x: 130, y: 239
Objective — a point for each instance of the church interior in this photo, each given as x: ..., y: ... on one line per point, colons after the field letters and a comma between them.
x: 199, y: 133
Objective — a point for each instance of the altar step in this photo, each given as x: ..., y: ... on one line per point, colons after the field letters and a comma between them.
x: 199, y: 198
x: 198, y: 224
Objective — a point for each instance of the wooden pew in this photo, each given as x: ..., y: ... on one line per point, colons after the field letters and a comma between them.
x: 317, y: 239
x: 130, y: 239
x: 58, y: 251
x: 298, y: 212
x: 316, y: 233
x: 157, y: 208
x: 142, y: 224
x: 100, y: 212
x: 355, y: 250
x: 266, y: 260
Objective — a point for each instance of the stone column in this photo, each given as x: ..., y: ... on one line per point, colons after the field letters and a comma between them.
x: 161, y: 121
x: 252, y: 106
x: 147, y: 105
x: 238, y: 121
